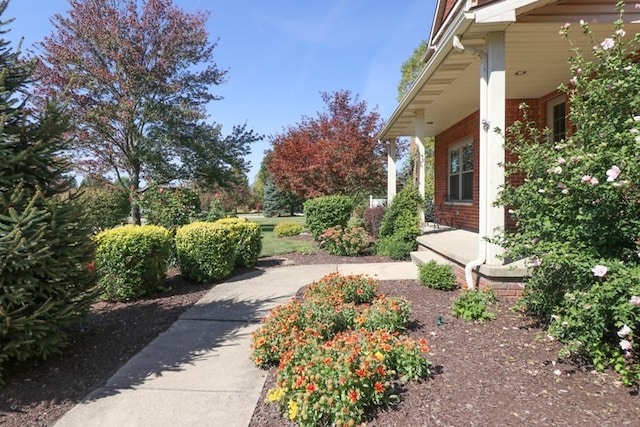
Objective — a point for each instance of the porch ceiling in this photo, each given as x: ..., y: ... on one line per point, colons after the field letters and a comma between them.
x: 450, y: 91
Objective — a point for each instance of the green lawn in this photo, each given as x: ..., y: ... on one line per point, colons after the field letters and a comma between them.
x: 272, y: 245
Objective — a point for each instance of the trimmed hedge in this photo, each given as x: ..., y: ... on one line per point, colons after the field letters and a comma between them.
x: 205, y: 251
x: 248, y: 240
x: 209, y: 251
x: 131, y: 261
x: 284, y: 229
x: 325, y: 212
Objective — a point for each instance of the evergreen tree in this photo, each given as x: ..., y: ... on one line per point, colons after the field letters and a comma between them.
x: 44, y: 244
x: 278, y: 202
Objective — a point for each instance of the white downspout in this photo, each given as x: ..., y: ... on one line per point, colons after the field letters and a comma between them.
x: 482, y: 184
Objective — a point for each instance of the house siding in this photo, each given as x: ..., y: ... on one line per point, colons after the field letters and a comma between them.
x: 465, y: 215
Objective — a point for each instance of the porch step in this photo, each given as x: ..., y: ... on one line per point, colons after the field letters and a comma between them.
x: 423, y: 257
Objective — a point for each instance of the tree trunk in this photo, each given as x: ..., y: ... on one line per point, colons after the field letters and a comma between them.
x: 134, y: 186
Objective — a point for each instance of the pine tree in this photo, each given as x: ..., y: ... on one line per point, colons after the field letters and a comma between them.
x: 44, y: 244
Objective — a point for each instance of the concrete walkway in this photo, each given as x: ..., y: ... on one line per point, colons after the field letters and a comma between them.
x: 198, y: 372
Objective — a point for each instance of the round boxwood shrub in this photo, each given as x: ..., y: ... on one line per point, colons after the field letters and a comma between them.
x: 247, y: 237
x: 438, y: 276
x: 131, y: 261
x: 325, y: 212
x: 285, y: 229
x: 206, y: 251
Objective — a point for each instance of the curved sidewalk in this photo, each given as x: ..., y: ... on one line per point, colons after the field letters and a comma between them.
x: 198, y: 372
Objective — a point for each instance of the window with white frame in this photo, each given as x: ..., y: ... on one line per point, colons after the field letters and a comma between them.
x: 461, y: 172
x: 557, y: 118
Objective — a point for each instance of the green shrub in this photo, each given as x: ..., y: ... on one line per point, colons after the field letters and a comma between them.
x: 577, y: 210
x: 400, y: 225
x: 216, y: 210
x: 345, y: 241
x: 105, y: 206
x: 284, y: 229
x: 170, y: 207
x: 247, y: 238
x: 473, y: 304
x: 325, y: 212
x: 438, y: 276
x: 206, y: 251
x: 395, y: 247
x: 131, y: 261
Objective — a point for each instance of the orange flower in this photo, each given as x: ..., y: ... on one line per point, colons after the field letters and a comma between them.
x: 311, y: 387
x: 353, y: 396
x: 378, y: 387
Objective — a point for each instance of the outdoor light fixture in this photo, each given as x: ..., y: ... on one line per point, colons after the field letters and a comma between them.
x: 520, y: 73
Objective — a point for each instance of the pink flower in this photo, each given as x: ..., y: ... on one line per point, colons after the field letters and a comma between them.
x: 635, y: 300
x: 599, y: 270
x: 613, y: 173
x: 573, y: 81
x: 535, y: 263
x: 607, y: 43
x: 594, y: 181
x: 625, y: 345
x: 586, y: 178
x: 624, y: 331
x: 620, y: 33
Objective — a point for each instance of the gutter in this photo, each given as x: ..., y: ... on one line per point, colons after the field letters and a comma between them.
x: 482, y: 207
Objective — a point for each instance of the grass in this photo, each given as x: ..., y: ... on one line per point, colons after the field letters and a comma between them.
x: 272, y: 245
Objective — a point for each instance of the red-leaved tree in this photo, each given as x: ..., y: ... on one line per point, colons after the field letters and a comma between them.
x: 334, y: 153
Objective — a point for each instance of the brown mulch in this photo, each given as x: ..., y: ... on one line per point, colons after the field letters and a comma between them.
x: 498, y: 373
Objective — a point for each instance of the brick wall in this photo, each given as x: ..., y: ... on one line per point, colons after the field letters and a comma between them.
x: 457, y: 215
x: 465, y: 215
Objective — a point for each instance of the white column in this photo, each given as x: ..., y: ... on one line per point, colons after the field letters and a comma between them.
x: 494, y: 117
x: 391, y: 171
x: 418, y: 126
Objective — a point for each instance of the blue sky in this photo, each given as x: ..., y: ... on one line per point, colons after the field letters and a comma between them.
x: 281, y: 54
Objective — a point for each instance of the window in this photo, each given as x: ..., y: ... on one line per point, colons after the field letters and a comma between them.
x: 461, y: 172
x: 556, y: 118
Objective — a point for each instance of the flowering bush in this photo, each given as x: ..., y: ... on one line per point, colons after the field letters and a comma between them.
x: 338, y: 351
x: 577, y: 212
x: 345, y: 241
x: 340, y: 289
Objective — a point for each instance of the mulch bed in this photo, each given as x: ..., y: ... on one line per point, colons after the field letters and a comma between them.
x: 497, y: 373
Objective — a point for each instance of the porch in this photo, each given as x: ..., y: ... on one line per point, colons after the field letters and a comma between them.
x: 459, y: 247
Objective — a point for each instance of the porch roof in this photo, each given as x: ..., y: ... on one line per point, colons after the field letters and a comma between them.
x: 447, y: 90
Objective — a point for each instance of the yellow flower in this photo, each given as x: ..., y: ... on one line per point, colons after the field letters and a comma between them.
x: 293, y: 410
x: 275, y: 395
x: 379, y: 356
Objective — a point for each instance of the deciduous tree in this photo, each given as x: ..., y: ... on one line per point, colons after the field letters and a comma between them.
x: 412, y: 68
x: 136, y: 75
x: 335, y: 152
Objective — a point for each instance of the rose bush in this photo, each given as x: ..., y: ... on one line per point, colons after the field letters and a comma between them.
x: 577, y: 212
